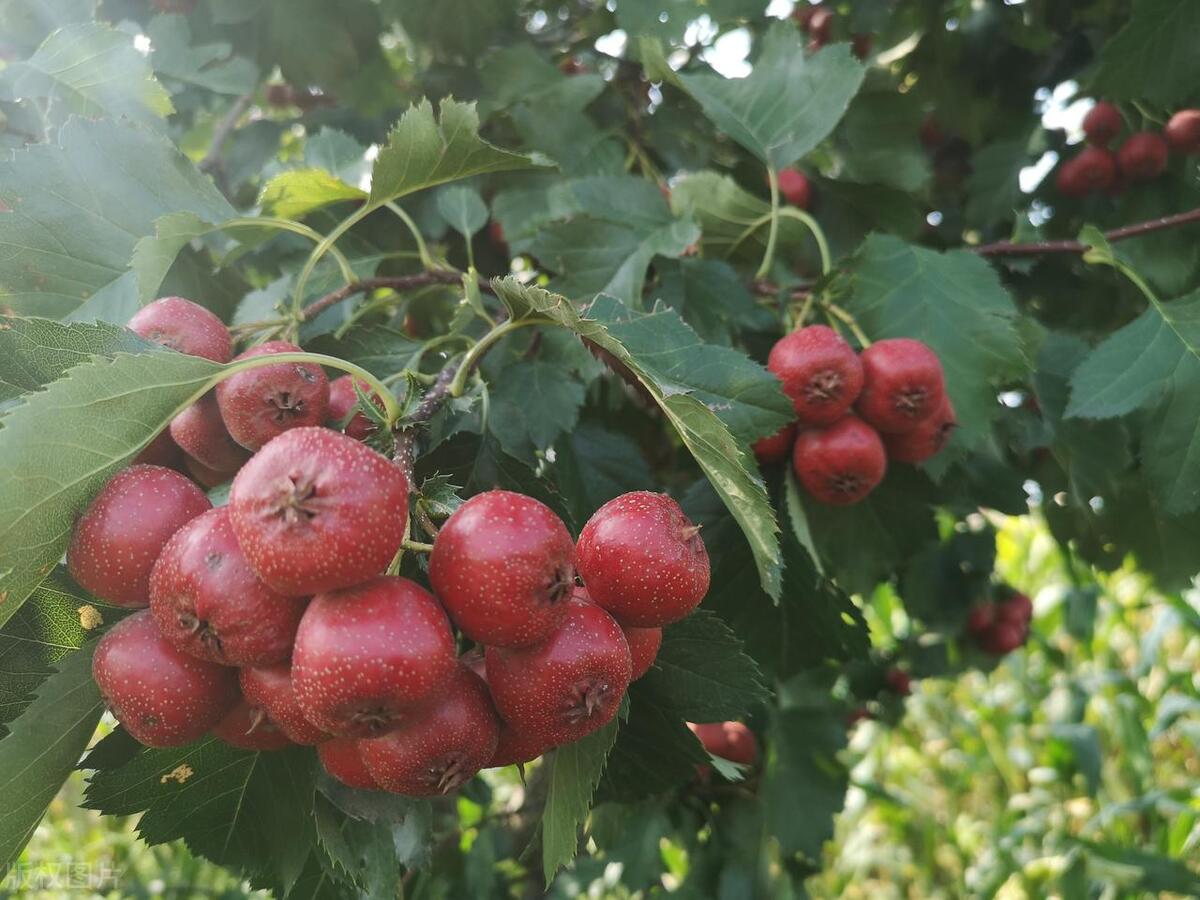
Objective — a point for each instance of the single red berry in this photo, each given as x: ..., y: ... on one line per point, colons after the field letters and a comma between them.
x: 1016, y: 610
x: 777, y: 447
x: 367, y: 656
x: 342, y: 759
x: 570, y: 65
x: 162, y: 451
x: 568, y: 686
x: 270, y: 688
x: 861, y: 44
x: 927, y: 439
x: 981, y: 619
x: 820, y: 372
x: 643, y: 560
x: 315, y: 510
x: 841, y: 464
x: 820, y: 24
x: 440, y: 748
x: 208, y: 602
x: 184, y: 326
x: 1070, y: 181
x: 496, y: 233
x: 163, y: 697
x: 1095, y: 168
x: 204, y: 476
x: 711, y: 736
x: 1102, y: 124
x: 248, y: 727
x: 741, y: 746
x: 902, y: 385
x: 860, y: 714
x: 1143, y: 156
x: 201, y: 433
x: 1183, y: 131
x: 514, y: 746
x: 119, y: 536
x: 342, y: 399
x: 259, y: 404
x: 504, y: 567
x: 1002, y: 638
x: 643, y: 648
x: 898, y: 681
x: 794, y: 186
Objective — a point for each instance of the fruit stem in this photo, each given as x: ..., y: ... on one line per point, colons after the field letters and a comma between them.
x: 422, y: 249
x: 804, y: 311
x: 773, y: 233
x: 324, y: 246
x: 296, y: 228
x: 850, y: 322
x: 418, y: 547
x: 472, y: 357
x: 817, y: 232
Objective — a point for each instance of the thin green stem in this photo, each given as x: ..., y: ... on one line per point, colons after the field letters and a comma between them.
x: 296, y: 228
x: 818, y: 234
x: 805, y: 309
x: 749, y: 230
x: 418, y: 547
x: 324, y: 246
x: 422, y: 250
x: 471, y: 357
x: 850, y: 322
x: 773, y: 234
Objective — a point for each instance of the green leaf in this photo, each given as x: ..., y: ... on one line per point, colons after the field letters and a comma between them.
x: 573, y: 780
x: 705, y: 436
x: 519, y: 74
x: 569, y: 137
x: 362, y: 851
x: 532, y: 403
x: 993, y: 187
x: 655, y: 752
x: 92, y: 70
x: 209, y: 66
x: 701, y: 673
x: 788, y: 104
x: 1152, y: 364
x: 53, y: 271
x: 1153, y: 57
x: 154, y: 255
x: 710, y: 296
x: 879, y: 141
x: 456, y: 28
x: 42, y: 749
x: 252, y: 812
x: 25, y: 23
x: 296, y: 194
x: 422, y: 152
x: 594, y: 464
x: 62, y: 444
x: 1138, y: 871
x: 955, y: 303
x: 463, y: 208
x: 380, y: 350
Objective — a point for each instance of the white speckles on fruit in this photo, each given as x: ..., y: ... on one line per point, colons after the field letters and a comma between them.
x: 259, y: 404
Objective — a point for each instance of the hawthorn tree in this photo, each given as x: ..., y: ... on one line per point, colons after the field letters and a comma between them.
x: 822, y: 275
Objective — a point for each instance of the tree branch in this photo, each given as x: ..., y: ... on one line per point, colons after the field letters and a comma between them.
x: 1035, y: 248
x: 225, y: 128
x: 395, y: 282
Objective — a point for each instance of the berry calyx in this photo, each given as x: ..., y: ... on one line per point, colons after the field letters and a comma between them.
x: 1102, y: 123
x: 118, y: 538
x: 1183, y: 131
x: 643, y: 648
x: 270, y: 688
x: 820, y: 372
x: 248, y: 727
x: 184, y: 326
x: 841, y: 464
x: 342, y: 759
x: 259, y: 404
x: 163, y: 697
x: 643, y: 560
x: 367, y: 656
x: 440, y: 749
x: 902, y: 385
x: 926, y: 440
x: 503, y: 565
x: 315, y: 510
x: 1143, y: 156
x: 794, y: 186
x: 342, y: 399
x: 568, y: 686
x: 208, y: 602
x: 776, y: 448
x: 201, y: 433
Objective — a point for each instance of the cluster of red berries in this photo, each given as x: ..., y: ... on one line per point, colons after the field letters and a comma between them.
x: 1141, y: 157
x: 855, y: 410
x: 817, y: 21
x: 270, y: 623
x: 1000, y: 627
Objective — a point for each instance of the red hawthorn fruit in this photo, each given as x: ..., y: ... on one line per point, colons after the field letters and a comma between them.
x: 1069, y: 180
x: 163, y: 697
x: 367, y: 656
x: 861, y: 44
x: 496, y: 233
x: 259, y: 404
x: 201, y: 433
x: 802, y: 13
x: 1143, y: 156
x: 504, y: 567
x: 777, y: 447
x: 1016, y: 610
x: 315, y: 510
x: 249, y: 727
x: 571, y: 66
x: 981, y: 618
x: 342, y: 399
x: 729, y: 740
x: 820, y: 24
x: 342, y: 759
x: 813, y: 45
x: 184, y: 326
x: 208, y: 602
x: 1102, y: 124
x: 1095, y: 168
x: 643, y: 560
x: 794, y: 186
x: 1002, y: 638
x: 926, y: 440
x: 514, y: 746
x: 440, y: 748
x: 204, y: 476
x: 841, y: 464
x: 820, y: 372
x: 162, y: 451
x: 898, y: 681
x: 568, y: 686
x: 643, y: 648
x: 118, y: 537
x: 1183, y: 131
x: 902, y: 385
x: 270, y: 689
